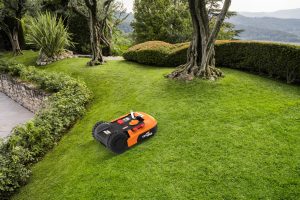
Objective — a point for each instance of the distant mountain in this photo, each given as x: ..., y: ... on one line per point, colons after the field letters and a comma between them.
x: 255, y: 33
x: 125, y: 26
x: 283, y: 14
x: 266, y: 28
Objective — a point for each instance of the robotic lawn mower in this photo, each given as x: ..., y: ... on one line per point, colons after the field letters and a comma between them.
x: 126, y: 131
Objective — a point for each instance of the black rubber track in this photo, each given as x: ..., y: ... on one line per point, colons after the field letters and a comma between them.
x: 96, y: 130
x: 118, y: 143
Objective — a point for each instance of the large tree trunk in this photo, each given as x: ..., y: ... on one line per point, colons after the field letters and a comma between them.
x: 200, y: 58
x: 15, y: 44
x: 96, y: 28
x: 21, y: 37
x: 97, y: 57
x: 14, y: 41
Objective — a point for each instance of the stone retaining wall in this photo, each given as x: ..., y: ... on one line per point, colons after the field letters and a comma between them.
x: 25, y: 94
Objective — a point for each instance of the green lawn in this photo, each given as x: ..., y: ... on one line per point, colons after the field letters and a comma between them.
x: 237, y: 138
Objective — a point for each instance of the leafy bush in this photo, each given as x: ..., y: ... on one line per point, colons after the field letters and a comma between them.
x: 28, y: 143
x: 121, y: 42
x: 79, y: 28
x: 275, y: 60
x: 13, y: 172
x: 156, y: 53
x: 48, y: 34
x: 272, y: 59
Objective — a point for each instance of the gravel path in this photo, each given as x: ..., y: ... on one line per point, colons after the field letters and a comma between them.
x: 11, y: 114
x: 106, y: 58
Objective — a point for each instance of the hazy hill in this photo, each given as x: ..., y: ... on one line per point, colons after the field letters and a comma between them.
x: 283, y: 14
x: 125, y: 26
x: 267, y: 28
x: 256, y: 33
x: 285, y: 25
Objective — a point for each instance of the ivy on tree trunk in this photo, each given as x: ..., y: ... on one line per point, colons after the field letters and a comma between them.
x: 200, y: 58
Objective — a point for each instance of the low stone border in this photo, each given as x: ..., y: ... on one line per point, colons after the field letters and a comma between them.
x: 24, y: 94
x: 45, y: 60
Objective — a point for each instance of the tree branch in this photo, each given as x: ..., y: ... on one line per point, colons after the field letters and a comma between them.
x: 219, y: 22
x: 88, y: 4
x: 78, y: 12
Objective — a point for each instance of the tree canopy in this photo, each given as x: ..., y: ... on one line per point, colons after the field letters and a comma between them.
x: 165, y: 20
x: 170, y: 21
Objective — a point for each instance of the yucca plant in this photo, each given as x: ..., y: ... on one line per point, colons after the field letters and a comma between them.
x: 48, y: 33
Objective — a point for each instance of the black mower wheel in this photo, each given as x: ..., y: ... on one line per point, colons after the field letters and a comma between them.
x: 99, y: 126
x: 118, y: 143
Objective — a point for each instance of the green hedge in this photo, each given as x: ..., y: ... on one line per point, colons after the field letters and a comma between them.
x: 157, y: 53
x: 275, y: 60
x: 30, y: 142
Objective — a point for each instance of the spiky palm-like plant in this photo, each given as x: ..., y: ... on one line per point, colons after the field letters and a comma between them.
x: 48, y: 33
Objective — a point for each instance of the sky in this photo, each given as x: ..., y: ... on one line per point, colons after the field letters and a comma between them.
x: 248, y: 5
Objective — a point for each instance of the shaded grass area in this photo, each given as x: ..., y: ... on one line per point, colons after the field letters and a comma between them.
x: 237, y: 138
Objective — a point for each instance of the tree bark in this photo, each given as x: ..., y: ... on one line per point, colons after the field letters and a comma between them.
x: 106, y: 38
x: 96, y: 29
x: 15, y: 43
x: 18, y: 26
x: 200, y: 58
x: 13, y: 39
x: 97, y: 57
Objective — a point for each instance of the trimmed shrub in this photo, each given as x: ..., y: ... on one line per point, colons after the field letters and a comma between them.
x: 275, y: 60
x: 30, y: 142
x: 280, y: 61
x: 155, y: 53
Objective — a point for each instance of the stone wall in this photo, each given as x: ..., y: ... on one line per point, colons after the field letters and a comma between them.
x: 23, y: 93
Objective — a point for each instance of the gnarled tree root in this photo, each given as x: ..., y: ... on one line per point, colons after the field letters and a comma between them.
x: 95, y: 62
x: 188, y: 72
x: 210, y: 73
x: 17, y: 52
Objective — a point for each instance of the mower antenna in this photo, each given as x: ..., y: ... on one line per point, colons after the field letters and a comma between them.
x: 132, y: 114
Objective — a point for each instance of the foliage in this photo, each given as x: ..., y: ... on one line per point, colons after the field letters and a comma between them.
x: 108, y: 25
x: 169, y: 21
x: 28, y: 143
x: 13, y: 172
x: 79, y: 28
x: 48, y: 34
x: 275, y: 60
x: 237, y: 138
x: 157, y: 53
x: 60, y: 7
x: 125, y: 26
x: 78, y: 25
x: 121, y: 42
x: 164, y: 20
x: 228, y: 30
x: 11, y: 12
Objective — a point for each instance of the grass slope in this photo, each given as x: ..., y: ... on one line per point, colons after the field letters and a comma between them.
x: 237, y: 138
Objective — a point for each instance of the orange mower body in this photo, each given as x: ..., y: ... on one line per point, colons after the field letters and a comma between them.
x: 125, y: 131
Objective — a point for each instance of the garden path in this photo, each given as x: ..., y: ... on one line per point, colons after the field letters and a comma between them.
x: 11, y: 114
